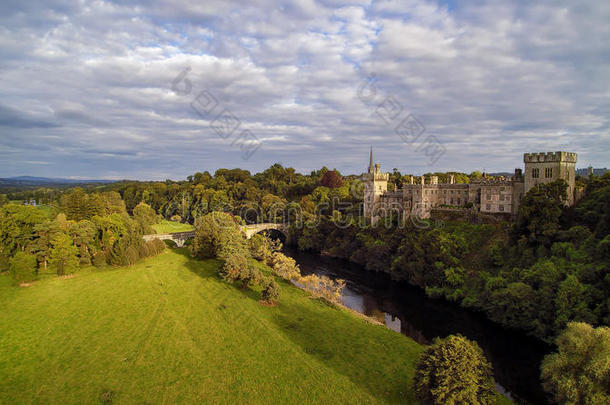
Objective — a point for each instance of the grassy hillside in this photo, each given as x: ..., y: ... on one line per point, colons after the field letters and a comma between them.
x: 167, y: 330
x: 166, y: 226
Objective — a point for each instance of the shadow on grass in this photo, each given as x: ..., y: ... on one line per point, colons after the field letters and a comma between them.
x: 344, y: 343
x: 209, y: 269
x: 350, y: 347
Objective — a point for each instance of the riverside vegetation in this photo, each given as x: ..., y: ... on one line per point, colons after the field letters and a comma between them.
x: 548, y: 269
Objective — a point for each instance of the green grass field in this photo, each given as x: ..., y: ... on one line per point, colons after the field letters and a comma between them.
x: 168, y: 330
x: 166, y: 226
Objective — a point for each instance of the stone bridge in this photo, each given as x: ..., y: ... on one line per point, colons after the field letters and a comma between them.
x: 180, y: 237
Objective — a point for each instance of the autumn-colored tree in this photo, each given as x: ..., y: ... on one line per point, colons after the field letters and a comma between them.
x: 331, y: 179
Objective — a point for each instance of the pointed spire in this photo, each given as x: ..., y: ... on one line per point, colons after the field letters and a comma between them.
x: 371, y: 166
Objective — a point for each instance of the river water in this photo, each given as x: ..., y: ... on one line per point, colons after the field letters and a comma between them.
x: 406, y: 309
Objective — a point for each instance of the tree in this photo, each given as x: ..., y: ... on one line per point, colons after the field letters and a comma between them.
x: 271, y: 291
x: 63, y: 255
x: 285, y: 266
x: 539, y: 212
x: 262, y: 247
x: 23, y: 267
x: 579, y: 373
x: 331, y: 179
x: 145, y: 216
x: 218, y: 234
x: 233, y: 268
x: 454, y: 370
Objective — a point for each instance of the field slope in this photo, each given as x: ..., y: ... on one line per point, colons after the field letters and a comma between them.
x: 167, y: 330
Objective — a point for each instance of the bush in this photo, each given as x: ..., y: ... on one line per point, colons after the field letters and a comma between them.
x: 579, y: 373
x: 323, y: 287
x: 285, y: 266
x: 453, y: 370
x: 145, y: 250
x: 99, y: 259
x: 157, y: 246
x: 271, y: 292
x: 250, y: 276
x: 233, y: 268
x: 23, y: 267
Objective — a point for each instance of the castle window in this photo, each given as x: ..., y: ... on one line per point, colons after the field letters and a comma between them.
x: 535, y: 173
x: 458, y: 201
x: 501, y: 188
x: 487, y: 207
x: 489, y: 196
x: 501, y: 208
x: 501, y: 197
x: 548, y: 172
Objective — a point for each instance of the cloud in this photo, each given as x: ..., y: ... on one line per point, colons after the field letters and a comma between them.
x: 89, y: 84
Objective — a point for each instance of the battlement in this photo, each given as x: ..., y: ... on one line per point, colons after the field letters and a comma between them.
x: 569, y: 157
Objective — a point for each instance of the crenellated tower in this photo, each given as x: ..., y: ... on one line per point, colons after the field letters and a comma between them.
x: 375, y: 184
x: 548, y: 167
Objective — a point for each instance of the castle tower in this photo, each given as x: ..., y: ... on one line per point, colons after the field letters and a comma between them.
x: 548, y: 167
x: 375, y: 184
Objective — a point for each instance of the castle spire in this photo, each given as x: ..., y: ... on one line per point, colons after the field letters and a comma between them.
x: 371, y: 166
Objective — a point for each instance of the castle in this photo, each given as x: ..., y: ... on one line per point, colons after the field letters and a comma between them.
x: 498, y: 196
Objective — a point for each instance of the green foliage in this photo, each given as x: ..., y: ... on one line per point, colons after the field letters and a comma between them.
x: 540, y: 211
x: 145, y: 216
x: 454, y: 370
x: 271, y: 291
x: 262, y: 248
x: 63, y: 257
x: 579, y: 373
x: 23, y: 267
x: 99, y: 259
x: 233, y: 268
x: 217, y: 234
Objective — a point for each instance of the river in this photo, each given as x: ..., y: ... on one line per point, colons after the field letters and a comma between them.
x: 406, y: 309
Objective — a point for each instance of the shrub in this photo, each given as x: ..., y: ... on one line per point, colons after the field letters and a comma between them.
x: 23, y: 267
x: 157, y: 246
x: 99, y: 259
x: 271, y: 291
x: 323, y: 287
x: 233, y: 268
x: 285, y: 266
x: 145, y: 250
x: 579, y: 373
x: 453, y: 370
x: 250, y: 276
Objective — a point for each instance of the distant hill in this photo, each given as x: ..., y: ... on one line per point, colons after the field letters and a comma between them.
x: 12, y: 184
x: 50, y: 180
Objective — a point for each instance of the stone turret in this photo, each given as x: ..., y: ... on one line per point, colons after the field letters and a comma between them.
x: 548, y: 167
x: 375, y: 184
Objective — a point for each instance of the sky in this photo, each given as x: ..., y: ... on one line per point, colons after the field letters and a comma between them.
x: 163, y: 89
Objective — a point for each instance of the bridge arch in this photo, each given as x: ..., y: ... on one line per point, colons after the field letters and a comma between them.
x: 253, y: 229
x: 179, y: 238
